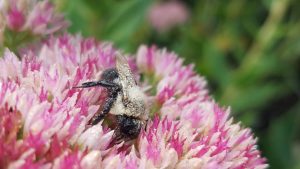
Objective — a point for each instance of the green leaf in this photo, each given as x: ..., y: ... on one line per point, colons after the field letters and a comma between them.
x: 278, y: 144
x: 126, y: 20
x: 251, y: 97
x: 213, y: 61
x: 82, y: 18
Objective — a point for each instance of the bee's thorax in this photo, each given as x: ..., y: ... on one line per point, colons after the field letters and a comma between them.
x: 134, y: 105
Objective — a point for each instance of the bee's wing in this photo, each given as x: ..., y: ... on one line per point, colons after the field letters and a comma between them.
x: 125, y: 74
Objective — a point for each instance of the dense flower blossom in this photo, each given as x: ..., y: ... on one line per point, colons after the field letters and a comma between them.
x: 43, y: 119
x: 29, y: 16
x: 165, y: 15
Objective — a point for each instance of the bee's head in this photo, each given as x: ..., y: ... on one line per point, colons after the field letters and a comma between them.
x: 110, y: 75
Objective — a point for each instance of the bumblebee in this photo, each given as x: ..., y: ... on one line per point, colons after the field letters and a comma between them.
x: 125, y: 100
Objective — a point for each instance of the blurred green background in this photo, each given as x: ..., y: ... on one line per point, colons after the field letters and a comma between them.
x: 249, y: 51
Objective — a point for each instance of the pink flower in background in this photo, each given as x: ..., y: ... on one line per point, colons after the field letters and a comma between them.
x: 37, y: 17
x: 166, y: 15
x: 43, y: 119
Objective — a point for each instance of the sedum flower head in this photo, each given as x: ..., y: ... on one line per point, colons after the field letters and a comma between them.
x: 43, y: 119
x: 32, y: 17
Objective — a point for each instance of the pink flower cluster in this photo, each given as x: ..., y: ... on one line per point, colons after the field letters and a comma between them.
x: 36, y: 17
x: 43, y: 119
x: 165, y: 15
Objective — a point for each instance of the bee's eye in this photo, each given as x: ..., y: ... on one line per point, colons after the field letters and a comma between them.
x: 116, y: 80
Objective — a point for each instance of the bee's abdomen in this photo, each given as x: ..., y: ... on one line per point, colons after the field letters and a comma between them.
x: 128, y: 127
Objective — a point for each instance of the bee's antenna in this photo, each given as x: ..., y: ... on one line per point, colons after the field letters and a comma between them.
x: 102, y: 83
x: 87, y: 84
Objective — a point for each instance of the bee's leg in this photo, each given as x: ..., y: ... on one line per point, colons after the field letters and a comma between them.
x: 106, y: 108
x: 146, y: 125
x: 109, y: 101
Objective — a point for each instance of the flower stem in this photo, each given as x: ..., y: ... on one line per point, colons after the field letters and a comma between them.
x: 266, y: 35
x: 264, y: 40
